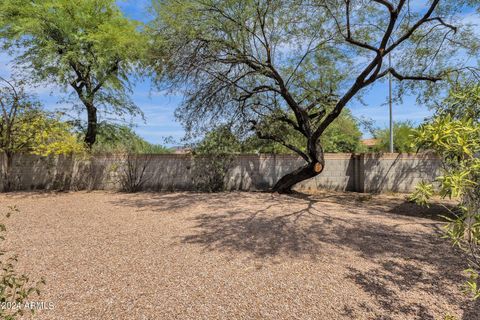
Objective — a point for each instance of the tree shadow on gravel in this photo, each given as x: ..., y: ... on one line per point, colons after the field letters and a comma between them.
x: 395, y: 204
x: 172, y: 202
x: 404, y: 259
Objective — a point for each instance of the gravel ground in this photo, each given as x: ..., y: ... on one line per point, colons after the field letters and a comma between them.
x: 235, y: 256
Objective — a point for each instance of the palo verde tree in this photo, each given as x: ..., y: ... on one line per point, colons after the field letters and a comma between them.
x: 290, y: 67
x: 86, y: 45
x: 26, y: 128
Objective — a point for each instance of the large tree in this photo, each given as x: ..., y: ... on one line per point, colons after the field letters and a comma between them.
x: 294, y: 65
x: 86, y: 45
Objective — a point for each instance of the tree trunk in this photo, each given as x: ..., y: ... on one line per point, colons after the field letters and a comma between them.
x: 91, y: 135
x: 310, y: 170
x: 314, y: 166
x: 7, y: 183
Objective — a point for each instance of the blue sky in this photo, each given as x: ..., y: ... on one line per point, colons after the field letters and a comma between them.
x: 159, y: 108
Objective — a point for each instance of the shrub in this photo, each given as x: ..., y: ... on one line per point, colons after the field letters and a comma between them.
x: 210, y: 170
x: 132, y: 172
x: 457, y: 142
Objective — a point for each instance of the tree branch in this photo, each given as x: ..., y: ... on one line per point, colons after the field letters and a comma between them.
x: 282, y: 142
x: 400, y: 77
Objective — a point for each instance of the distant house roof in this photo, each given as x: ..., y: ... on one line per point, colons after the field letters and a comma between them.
x: 181, y: 150
x: 370, y: 142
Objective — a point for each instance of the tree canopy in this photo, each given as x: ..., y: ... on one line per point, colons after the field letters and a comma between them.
x: 272, y: 65
x: 86, y: 45
x: 342, y: 136
x: 462, y: 101
x: 117, y: 138
x: 403, y: 134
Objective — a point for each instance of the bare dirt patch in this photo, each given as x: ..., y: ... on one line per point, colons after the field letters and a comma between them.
x: 236, y: 256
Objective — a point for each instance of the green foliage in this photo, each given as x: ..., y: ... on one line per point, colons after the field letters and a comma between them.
x: 423, y: 192
x: 471, y: 286
x: 212, y: 158
x: 457, y: 141
x: 342, y: 136
x: 403, y: 133
x: 210, y: 170
x: 463, y: 101
x: 122, y: 139
x: 26, y: 128
x: 15, y: 289
x: 42, y: 134
x: 47, y: 135
x: 219, y: 141
x: 87, y: 45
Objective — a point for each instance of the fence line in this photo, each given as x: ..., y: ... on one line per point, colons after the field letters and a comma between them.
x: 349, y: 172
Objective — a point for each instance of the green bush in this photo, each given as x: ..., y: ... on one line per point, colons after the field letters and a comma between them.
x: 457, y: 142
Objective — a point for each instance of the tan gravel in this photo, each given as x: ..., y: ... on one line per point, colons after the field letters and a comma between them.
x: 235, y: 256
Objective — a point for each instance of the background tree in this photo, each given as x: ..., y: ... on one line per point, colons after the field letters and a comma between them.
x: 26, y: 128
x: 290, y: 65
x: 118, y: 138
x: 86, y: 45
x: 403, y: 133
x: 212, y: 158
x: 342, y: 136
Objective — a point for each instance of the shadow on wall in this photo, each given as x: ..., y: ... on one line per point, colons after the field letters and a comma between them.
x: 397, y: 172
x: 341, y: 173
x: 67, y: 173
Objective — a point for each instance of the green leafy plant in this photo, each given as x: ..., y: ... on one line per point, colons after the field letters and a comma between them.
x: 457, y: 142
x: 423, y: 192
x: 117, y: 138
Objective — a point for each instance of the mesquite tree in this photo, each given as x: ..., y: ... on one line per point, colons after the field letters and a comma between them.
x: 86, y: 45
x: 289, y: 67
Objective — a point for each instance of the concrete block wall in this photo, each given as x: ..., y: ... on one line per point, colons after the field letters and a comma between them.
x: 396, y: 172
x: 371, y: 173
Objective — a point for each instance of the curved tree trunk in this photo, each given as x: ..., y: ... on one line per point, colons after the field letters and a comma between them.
x: 310, y: 170
x: 286, y: 183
